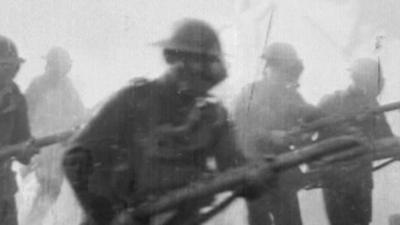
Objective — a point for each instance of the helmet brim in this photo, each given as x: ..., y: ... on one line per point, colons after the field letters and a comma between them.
x: 171, y: 45
x: 19, y: 60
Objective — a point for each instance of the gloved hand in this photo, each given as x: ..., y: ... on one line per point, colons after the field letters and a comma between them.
x: 25, y: 151
x: 258, y: 182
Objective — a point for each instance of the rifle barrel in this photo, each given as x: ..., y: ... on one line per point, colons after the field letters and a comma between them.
x: 52, y: 139
x: 337, y: 119
x: 237, y: 178
x: 386, y: 148
x: 386, y: 108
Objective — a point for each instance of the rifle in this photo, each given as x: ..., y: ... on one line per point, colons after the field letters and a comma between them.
x: 387, y: 148
x: 338, y: 119
x: 37, y: 143
x: 239, y: 178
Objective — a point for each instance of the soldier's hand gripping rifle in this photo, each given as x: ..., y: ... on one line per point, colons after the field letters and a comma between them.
x: 236, y: 179
x: 31, y: 147
x: 340, y: 119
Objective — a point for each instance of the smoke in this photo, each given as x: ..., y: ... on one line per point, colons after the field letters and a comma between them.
x: 109, y: 42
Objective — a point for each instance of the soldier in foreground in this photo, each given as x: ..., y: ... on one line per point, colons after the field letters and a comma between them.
x: 14, y: 128
x: 267, y: 109
x: 348, y: 189
x: 154, y: 136
x: 54, y: 106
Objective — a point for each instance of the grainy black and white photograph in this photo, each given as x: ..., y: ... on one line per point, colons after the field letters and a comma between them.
x: 190, y: 112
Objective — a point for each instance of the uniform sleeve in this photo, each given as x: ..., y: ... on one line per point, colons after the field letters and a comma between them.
x: 101, y: 139
x: 330, y: 105
x: 106, y: 127
x: 305, y: 111
x: 382, y: 128
x: 104, y: 133
x: 338, y: 104
x: 21, y: 130
x: 226, y: 149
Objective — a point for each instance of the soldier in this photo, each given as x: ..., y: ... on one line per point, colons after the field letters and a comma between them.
x: 154, y: 136
x: 54, y: 106
x: 266, y: 109
x: 348, y: 189
x: 14, y: 128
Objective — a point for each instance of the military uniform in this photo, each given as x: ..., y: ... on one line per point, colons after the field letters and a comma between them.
x: 155, y: 136
x: 348, y: 190
x: 133, y: 140
x: 54, y: 106
x: 266, y: 106
x: 273, y: 104
x: 14, y: 127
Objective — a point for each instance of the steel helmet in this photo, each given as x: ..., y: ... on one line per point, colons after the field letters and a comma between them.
x: 365, y: 69
x: 8, y: 51
x: 58, y: 55
x: 193, y: 36
x: 280, y: 53
x: 366, y: 72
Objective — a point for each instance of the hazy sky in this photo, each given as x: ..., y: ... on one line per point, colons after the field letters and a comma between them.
x: 110, y: 41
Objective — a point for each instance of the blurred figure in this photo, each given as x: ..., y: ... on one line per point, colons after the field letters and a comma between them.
x: 266, y: 109
x: 14, y: 128
x: 156, y: 136
x: 54, y: 106
x: 348, y: 190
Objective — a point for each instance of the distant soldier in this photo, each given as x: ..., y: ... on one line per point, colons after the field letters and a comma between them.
x: 158, y: 135
x: 348, y: 192
x: 54, y: 106
x: 14, y: 128
x: 266, y: 109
